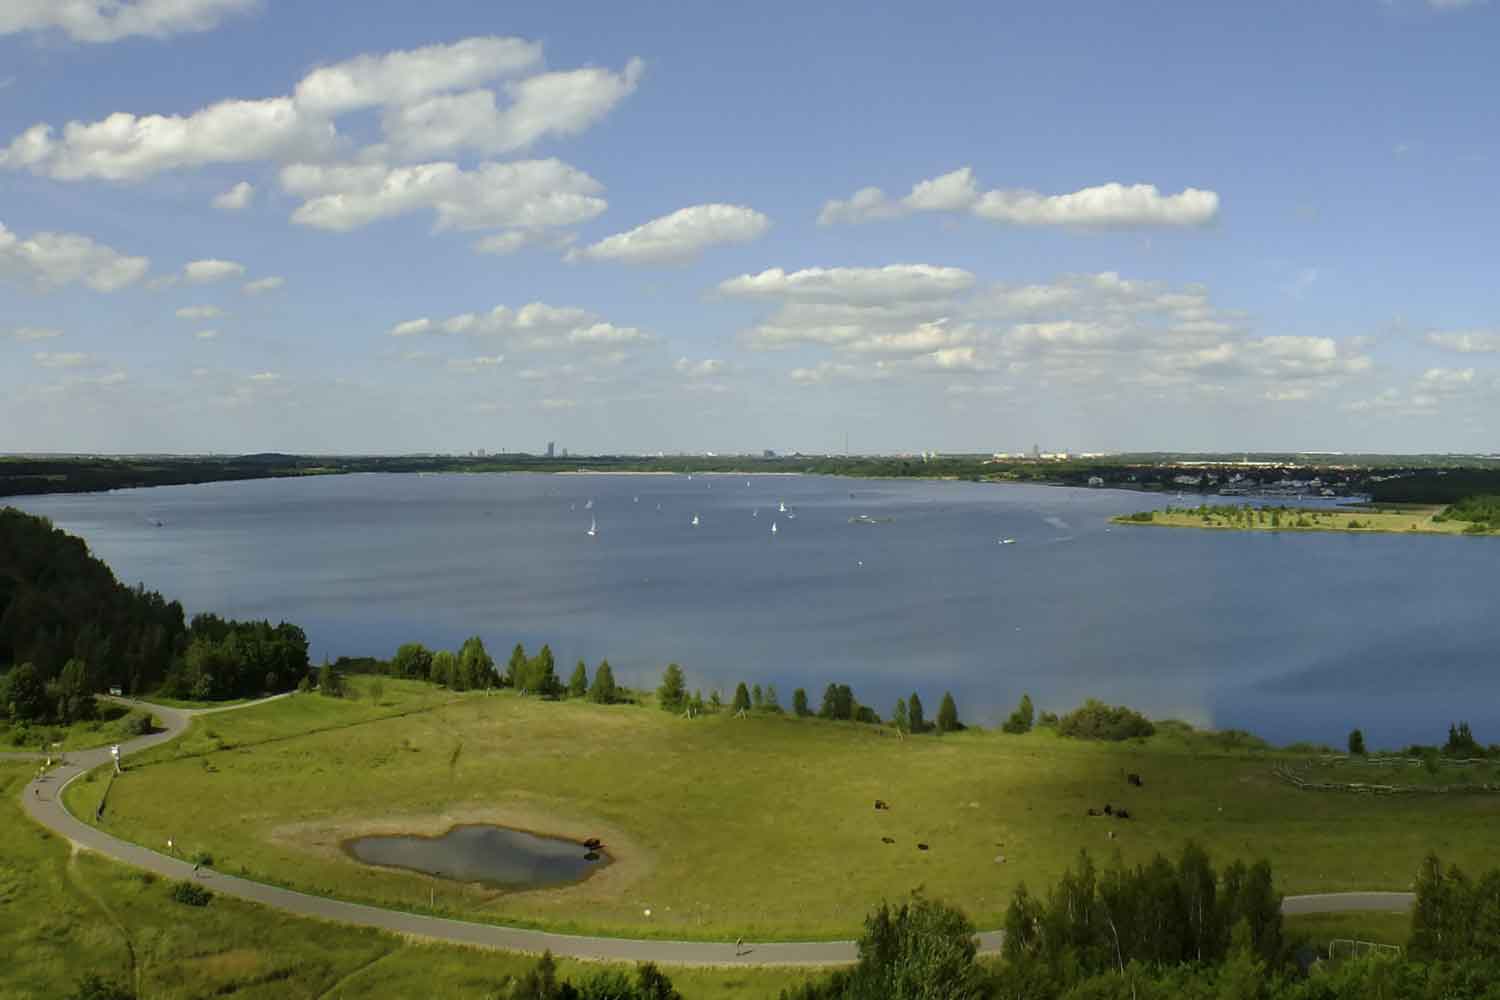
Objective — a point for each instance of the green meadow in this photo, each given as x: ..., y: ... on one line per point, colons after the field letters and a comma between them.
x: 762, y: 827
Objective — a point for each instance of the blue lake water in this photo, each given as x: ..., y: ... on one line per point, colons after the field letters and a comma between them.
x: 1291, y: 636
x: 493, y: 855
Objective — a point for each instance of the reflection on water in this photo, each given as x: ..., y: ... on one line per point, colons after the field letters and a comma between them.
x: 493, y: 855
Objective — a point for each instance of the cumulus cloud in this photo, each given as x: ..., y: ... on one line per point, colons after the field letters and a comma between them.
x: 262, y: 285
x: 1466, y: 341
x: 429, y: 103
x: 66, y: 359
x: 52, y: 260
x: 205, y: 272
x: 706, y: 368
x: 536, y: 326
x: 26, y: 334
x: 199, y: 312
x: 548, y: 104
x: 894, y: 282
x: 127, y: 147
x: 112, y: 20
x: 679, y: 236
x: 1105, y: 205
x: 405, y: 77
x: 475, y: 365
x: 527, y: 194
x: 236, y: 198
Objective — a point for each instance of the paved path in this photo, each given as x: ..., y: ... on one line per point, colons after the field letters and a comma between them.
x: 41, y: 802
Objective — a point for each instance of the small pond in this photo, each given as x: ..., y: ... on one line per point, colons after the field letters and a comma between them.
x: 495, y: 856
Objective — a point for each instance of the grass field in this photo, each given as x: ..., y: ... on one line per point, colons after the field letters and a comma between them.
x: 108, y: 728
x: 1401, y: 772
x: 1405, y: 519
x: 762, y: 827
x: 64, y: 914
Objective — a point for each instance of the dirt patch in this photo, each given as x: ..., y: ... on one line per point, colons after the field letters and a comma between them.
x: 235, y: 963
x: 630, y: 862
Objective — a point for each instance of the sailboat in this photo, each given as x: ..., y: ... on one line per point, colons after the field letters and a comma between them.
x: 695, y: 520
x: 755, y: 512
x: 1007, y: 541
x: 773, y: 527
x: 589, y: 505
x: 782, y: 507
x: 593, y: 527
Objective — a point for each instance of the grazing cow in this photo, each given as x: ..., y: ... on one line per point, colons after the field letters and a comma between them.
x: 593, y: 843
x: 1134, y: 779
x: 887, y: 840
x: 1122, y: 814
x: 1093, y: 811
x: 921, y: 847
x: 1108, y: 810
x: 881, y: 804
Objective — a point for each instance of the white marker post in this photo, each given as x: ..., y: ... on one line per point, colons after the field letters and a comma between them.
x: 114, y: 753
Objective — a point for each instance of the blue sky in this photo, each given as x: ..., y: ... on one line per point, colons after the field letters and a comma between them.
x: 389, y: 227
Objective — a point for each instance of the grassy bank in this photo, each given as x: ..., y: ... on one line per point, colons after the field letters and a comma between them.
x: 1406, y: 519
x: 762, y: 827
x: 112, y: 726
x: 64, y: 914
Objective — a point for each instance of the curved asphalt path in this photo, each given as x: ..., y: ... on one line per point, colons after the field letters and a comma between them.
x: 42, y: 802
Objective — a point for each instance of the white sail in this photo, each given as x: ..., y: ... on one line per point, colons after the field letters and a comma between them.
x: 593, y: 527
x: 773, y: 527
x: 695, y: 520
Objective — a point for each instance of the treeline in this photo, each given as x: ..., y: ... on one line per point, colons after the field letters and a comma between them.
x: 1483, y: 512
x: 472, y: 668
x: 838, y: 704
x: 69, y: 630
x: 1166, y: 930
x: 1432, y: 486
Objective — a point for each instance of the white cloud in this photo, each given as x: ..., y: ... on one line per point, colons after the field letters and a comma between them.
x: 1104, y: 205
x: 513, y: 240
x: 1466, y: 341
x: 199, y: 312
x: 126, y: 147
x: 26, y: 334
x: 52, y: 260
x: 1446, y: 379
x: 207, y: 335
x: 894, y: 282
x: 528, y: 194
x: 707, y: 368
x: 535, y: 326
x: 265, y: 377
x: 422, y: 116
x: 411, y: 327
x: 67, y: 359
x: 396, y: 78
x: 680, y: 235
x: 112, y: 20
x: 558, y: 404
x: 561, y: 103
x: 262, y: 285
x: 475, y: 365
x: 204, y: 272
x: 236, y: 198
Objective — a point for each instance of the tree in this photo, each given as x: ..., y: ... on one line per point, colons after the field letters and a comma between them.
x: 715, y: 701
x: 413, y: 660
x: 914, y: 712
x: 673, y: 690
x: 757, y: 698
x: 23, y: 694
x: 1357, y: 742
x: 899, y: 718
x: 542, y: 674
x: 1023, y: 718
x: 329, y: 681
x: 445, y: 669
x: 475, y: 664
x: 838, y: 703
x: 578, y: 684
x: 741, y: 699
x: 799, y: 703
x: 75, y: 703
x: 602, y: 691
x: 923, y: 949
x: 947, y: 717
x: 515, y: 670
x: 772, y: 703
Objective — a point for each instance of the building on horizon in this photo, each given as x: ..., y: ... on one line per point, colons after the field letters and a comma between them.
x: 551, y: 449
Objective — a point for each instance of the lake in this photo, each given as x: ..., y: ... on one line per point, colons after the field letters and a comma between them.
x: 1291, y: 636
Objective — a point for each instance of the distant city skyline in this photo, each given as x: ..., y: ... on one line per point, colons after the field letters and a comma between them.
x: 234, y: 226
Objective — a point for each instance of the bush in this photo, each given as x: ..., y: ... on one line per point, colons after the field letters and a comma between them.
x: 1357, y: 743
x: 1095, y: 720
x: 92, y: 987
x: 138, y: 724
x: 191, y: 894
x: 1022, y: 719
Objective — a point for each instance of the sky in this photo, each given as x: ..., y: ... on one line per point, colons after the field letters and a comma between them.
x: 387, y: 227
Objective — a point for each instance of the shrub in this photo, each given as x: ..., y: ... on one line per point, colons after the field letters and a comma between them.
x: 305, y: 684
x: 947, y: 717
x: 92, y: 987
x: 1095, y: 720
x: 1357, y: 743
x: 138, y: 724
x: 1048, y: 719
x: 672, y: 694
x: 191, y: 894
